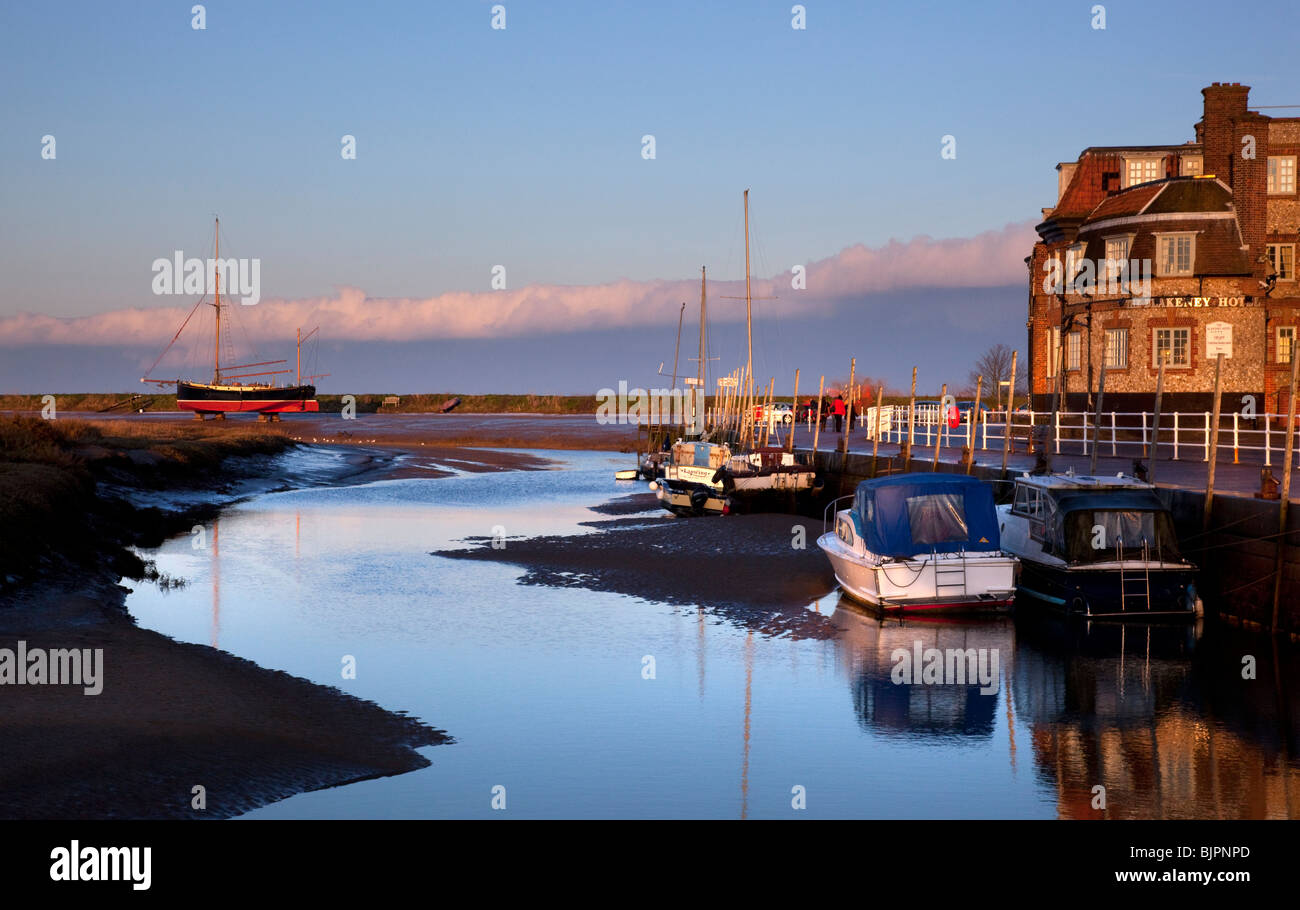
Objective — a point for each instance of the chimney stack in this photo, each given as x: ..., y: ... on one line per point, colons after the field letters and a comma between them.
x: 1234, y: 144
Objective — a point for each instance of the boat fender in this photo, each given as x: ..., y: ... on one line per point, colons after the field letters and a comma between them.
x: 653, y: 486
x: 818, y: 484
x: 723, y: 475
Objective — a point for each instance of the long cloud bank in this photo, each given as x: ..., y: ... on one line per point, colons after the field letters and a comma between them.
x: 990, y: 259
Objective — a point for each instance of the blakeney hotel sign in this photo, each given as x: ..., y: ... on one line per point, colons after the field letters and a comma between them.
x: 1194, y: 301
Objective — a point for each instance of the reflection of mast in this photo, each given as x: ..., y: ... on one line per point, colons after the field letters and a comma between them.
x: 699, y: 650
x: 216, y: 584
x: 1011, y: 715
x: 749, y: 685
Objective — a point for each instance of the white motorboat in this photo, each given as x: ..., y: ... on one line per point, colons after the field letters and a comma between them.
x: 922, y: 542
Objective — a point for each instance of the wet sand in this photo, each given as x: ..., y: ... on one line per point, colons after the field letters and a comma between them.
x: 172, y: 716
x: 417, y: 432
x: 743, y: 568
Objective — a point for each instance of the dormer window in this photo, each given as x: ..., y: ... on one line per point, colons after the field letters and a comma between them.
x: 1117, y: 248
x: 1176, y: 254
x: 1142, y: 170
x: 1073, y: 263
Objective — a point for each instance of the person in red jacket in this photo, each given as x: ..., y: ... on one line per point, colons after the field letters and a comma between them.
x: 837, y: 408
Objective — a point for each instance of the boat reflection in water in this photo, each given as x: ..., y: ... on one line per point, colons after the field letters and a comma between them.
x: 1161, y: 717
x: 1156, y: 714
x: 878, y: 649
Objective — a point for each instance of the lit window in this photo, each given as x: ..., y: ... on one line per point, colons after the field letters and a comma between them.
x: 1174, y: 347
x: 1116, y: 256
x: 1116, y: 349
x: 1281, y: 174
x: 1143, y: 170
x: 1281, y: 260
x: 1192, y: 165
x: 1073, y: 345
x: 1285, y: 343
x: 1176, y: 254
x: 1053, y: 351
x: 1073, y: 262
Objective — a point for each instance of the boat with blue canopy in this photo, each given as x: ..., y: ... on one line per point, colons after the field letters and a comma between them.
x: 921, y: 542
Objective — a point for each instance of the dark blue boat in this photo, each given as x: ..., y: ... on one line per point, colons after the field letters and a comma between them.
x: 1098, y: 546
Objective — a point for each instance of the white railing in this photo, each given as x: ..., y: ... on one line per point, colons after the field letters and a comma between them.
x: 1184, y: 435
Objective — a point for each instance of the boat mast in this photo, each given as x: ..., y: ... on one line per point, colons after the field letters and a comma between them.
x: 299, y: 333
x: 703, y: 345
x: 216, y: 274
x: 749, y: 326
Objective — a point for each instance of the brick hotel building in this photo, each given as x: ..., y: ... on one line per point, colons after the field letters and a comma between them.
x: 1218, y: 219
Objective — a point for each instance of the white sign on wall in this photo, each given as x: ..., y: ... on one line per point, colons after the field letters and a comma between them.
x: 1218, y: 339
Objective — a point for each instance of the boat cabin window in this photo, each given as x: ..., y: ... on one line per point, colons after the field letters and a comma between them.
x: 1033, y: 504
x: 1098, y: 535
x: 1028, y: 501
x: 937, y: 518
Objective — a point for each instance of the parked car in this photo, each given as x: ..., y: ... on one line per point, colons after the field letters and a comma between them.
x: 781, y: 412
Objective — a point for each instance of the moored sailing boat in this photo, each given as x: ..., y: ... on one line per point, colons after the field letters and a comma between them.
x: 717, y: 479
x: 226, y: 393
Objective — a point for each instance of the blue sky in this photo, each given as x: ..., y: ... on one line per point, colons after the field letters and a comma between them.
x: 522, y: 146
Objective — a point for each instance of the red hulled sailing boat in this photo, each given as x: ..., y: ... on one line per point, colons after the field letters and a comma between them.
x: 227, y: 392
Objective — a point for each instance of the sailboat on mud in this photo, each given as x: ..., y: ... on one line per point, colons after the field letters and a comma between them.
x: 227, y: 392
x: 707, y: 477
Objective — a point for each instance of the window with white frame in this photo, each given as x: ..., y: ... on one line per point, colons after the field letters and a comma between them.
x: 1073, y: 262
x: 1173, y: 346
x: 1192, y: 165
x: 1116, y: 349
x: 1073, y: 347
x: 1053, y: 350
x: 1175, y: 254
x: 1143, y: 170
x: 1116, y: 256
x: 1281, y: 260
x: 1285, y: 343
x: 1281, y: 174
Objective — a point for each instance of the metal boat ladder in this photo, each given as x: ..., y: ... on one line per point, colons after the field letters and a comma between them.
x: 1134, y: 586
x: 948, y: 578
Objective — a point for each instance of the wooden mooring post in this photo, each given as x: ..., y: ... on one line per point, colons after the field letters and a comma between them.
x: 1096, y: 418
x: 1155, y: 421
x: 940, y: 419
x: 1011, y: 397
x: 1214, y: 443
x: 848, y: 408
x: 1286, y: 494
x: 911, y: 423
x: 817, y: 427
x: 974, y: 424
x: 875, y: 444
x: 794, y: 411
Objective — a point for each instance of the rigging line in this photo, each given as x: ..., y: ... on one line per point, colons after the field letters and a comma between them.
x: 174, y: 337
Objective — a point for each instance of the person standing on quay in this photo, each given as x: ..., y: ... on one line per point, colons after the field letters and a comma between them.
x: 838, y: 408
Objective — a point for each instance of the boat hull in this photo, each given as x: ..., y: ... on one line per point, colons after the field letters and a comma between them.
x: 1099, y: 591
x: 912, y: 585
x: 212, y: 399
